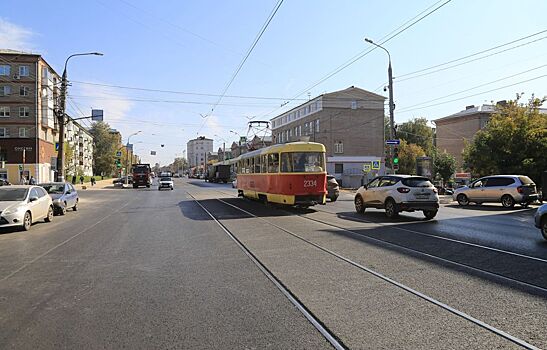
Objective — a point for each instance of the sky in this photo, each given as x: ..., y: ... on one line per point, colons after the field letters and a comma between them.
x: 191, y: 49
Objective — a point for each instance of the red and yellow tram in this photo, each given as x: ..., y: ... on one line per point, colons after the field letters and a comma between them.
x: 291, y: 173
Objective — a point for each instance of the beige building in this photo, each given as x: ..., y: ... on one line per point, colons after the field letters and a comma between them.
x: 350, y: 123
x: 81, y: 143
x: 197, y: 150
x: 28, y: 127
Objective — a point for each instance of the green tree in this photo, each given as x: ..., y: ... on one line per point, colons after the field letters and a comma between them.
x: 408, y: 152
x: 105, y: 147
x: 69, y: 158
x: 417, y: 131
x: 513, y: 142
x: 445, y: 165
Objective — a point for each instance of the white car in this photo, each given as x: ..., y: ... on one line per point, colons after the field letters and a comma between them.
x: 165, y: 182
x: 396, y: 193
x: 23, y: 205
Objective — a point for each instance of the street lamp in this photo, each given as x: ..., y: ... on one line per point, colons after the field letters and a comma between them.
x: 61, y: 117
x: 391, y: 103
x: 127, y: 157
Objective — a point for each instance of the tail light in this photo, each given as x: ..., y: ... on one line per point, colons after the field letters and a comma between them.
x: 403, y: 190
x: 520, y: 189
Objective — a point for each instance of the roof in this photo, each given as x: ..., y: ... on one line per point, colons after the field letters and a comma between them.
x: 488, y: 109
x: 17, y: 52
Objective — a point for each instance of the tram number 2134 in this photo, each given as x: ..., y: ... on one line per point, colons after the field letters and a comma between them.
x: 310, y: 183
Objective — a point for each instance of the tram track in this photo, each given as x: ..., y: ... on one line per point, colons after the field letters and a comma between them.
x: 498, y: 332
x: 521, y: 283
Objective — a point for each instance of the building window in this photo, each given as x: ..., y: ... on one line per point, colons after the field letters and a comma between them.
x: 23, y: 132
x: 5, y: 90
x: 24, y: 112
x: 5, y: 69
x: 4, y: 111
x: 24, y: 91
x: 338, y: 147
x: 338, y: 168
x: 353, y: 104
x: 299, y: 130
x: 4, y: 132
x: 317, y: 125
x: 24, y: 71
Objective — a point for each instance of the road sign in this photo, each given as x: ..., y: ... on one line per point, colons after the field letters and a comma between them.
x: 393, y: 142
x: 152, y: 153
x: 367, y: 166
x: 395, y: 166
x: 20, y: 167
x: 56, y: 146
x: 376, y: 164
x: 119, y: 154
x: 97, y: 115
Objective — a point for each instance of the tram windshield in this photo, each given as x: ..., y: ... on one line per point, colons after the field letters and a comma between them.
x: 302, y: 162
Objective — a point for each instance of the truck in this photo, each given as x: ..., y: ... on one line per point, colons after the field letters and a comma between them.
x: 141, y: 175
x: 218, y: 172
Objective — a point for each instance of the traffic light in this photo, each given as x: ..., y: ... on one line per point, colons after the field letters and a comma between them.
x: 118, y: 163
x: 387, y: 155
x: 396, y: 156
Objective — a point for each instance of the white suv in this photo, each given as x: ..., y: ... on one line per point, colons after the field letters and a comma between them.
x: 396, y: 193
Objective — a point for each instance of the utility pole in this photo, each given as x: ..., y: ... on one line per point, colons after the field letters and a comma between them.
x: 60, y: 111
x: 127, y: 157
x: 391, y: 103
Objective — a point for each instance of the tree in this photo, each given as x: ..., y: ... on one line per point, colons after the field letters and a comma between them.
x: 513, y: 142
x: 417, y: 131
x: 69, y: 158
x: 105, y: 147
x: 408, y: 152
x: 445, y: 165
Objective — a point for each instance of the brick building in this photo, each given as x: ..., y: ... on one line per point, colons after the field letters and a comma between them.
x: 350, y: 123
x: 28, y: 127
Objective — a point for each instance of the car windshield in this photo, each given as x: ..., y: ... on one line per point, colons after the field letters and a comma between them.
x: 302, y: 162
x: 54, y: 188
x: 417, y: 182
x: 13, y: 194
x: 165, y: 179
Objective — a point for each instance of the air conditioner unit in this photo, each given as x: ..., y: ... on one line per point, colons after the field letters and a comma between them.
x: 16, y: 77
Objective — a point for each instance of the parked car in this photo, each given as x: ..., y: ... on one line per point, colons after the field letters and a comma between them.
x: 540, y: 220
x: 4, y: 182
x: 507, y: 189
x: 63, y: 195
x: 333, y: 190
x: 165, y: 182
x: 23, y: 205
x: 396, y: 193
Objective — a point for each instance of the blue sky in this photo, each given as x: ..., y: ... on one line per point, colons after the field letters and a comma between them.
x: 195, y: 47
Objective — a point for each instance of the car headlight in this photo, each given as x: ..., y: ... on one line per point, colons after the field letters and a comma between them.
x: 13, y: 210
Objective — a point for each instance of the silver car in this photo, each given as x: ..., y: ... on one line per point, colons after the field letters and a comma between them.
x: 165, y: 182
x: 63, y: 195
x: 507, y: 189
x: 23, y: 205
x: 540, y: 220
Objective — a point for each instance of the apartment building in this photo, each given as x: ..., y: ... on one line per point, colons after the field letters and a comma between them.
x: 197, y: 150
x: 350, y: 123
x: 28, y: 127
x: 80, y: 142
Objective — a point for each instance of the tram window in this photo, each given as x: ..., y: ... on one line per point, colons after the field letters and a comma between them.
x: 273, y: 163
x: 250, y: 165
x: 257, y: 165
x: 302, y: 162
x: 264, y: 164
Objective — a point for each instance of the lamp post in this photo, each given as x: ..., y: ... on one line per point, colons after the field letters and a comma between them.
x: 60, y: 111
x: 391, y: 103
x: 127, y: 157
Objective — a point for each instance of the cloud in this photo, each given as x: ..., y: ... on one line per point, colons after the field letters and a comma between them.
x: 15, y: 37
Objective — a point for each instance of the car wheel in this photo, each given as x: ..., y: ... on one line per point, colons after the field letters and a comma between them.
x: 430, y: 214
x: 333, y: 199
x: 462, y: 200
x: 27, y: 221
x: 147, y: 186
x: 507, y: 201
x: 172, y: 188
x: 544, y: 228
x: 62, y: 210
x: 391, y: 208
x: 359, y: 204
x: 75, y: 207
x: 49, y: 217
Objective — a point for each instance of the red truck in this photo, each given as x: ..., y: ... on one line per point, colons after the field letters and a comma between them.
x: 141, y: 175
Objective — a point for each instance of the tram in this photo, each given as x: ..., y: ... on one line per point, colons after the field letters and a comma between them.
x: 291, y: 173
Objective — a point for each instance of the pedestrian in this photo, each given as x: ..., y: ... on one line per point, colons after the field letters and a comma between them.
x: 81, y: 179
x: 23, y: 180
x: 74, y: 179
x: 92, y: 181
x: 32, y: 181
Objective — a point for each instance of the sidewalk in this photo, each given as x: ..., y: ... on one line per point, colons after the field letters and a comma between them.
x: 99, y: 185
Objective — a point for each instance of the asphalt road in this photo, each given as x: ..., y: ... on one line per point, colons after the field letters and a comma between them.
x: 150, y: 269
